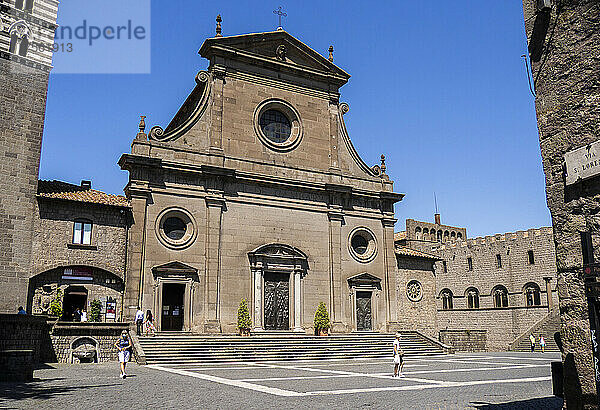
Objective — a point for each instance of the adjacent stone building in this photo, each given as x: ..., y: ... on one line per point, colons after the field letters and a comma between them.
x: 26, y: 38
x: 564, y: 48
x: 79, y: 248
x: 503, y: 285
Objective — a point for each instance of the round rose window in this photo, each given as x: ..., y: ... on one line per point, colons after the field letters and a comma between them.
x: 275, y: 126
x: 414, y: 290
x: 175, y: 228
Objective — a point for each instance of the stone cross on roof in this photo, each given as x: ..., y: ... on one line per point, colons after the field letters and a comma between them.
x: 280, y: 13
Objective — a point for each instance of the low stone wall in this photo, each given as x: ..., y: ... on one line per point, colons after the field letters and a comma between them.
x: 89, y: 341
x: 16, y: 365
x: 465, y: 340
x: 26, y: 332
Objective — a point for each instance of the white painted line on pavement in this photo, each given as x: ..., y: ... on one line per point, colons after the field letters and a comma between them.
x: 236, y: 383
x: 426, y: 386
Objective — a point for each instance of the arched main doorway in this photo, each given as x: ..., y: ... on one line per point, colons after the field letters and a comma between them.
x: 277, y: 271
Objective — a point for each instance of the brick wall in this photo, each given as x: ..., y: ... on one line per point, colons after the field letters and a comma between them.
x: 22, y: 108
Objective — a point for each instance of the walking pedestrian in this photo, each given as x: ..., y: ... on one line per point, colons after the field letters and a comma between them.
x: 542, y: 343
x: 83, y: 315
x: 139, y: 321
x: 21, y: 311
x: 77, y: 315
x: 398, y: 357
x: 149, y: 324
x: 123, y: 345
x: 532, y: 342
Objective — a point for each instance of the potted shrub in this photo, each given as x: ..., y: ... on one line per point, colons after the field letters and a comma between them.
x: 322, y: 320
x: 95, y: 310
x: 244, y: 322
x: 56, y: 304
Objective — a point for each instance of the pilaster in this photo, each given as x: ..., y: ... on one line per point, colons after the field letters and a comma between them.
x: 391, y: 299
x: 214, y: 214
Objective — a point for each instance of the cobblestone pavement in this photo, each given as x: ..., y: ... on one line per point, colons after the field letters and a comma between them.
x: 484, y: 381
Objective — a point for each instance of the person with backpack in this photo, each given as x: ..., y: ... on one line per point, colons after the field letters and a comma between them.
x: 123, y: 345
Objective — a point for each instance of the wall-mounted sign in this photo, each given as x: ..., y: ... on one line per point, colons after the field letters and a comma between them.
x: 583, y: 162
x: 111, y: 309
x: 78, y: 273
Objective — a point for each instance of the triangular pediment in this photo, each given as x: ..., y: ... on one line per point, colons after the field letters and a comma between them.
x: 364, y: 279
x: 174, y: 268
x: 277, y: 47
x: 275, y: 250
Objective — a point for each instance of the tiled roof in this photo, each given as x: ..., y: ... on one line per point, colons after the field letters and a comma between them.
x: 71, y: 192
x: 400, y: 250
x: 398, y: 236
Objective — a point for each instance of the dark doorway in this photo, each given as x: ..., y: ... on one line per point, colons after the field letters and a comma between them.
x: 277, y: 301
x: 363, y: 311
x: 172, y: 307
x: 75, y: 298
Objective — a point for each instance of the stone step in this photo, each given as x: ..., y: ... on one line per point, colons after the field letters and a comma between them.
x: 268, y: 347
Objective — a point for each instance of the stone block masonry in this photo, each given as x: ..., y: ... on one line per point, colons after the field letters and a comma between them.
x: 564, y: 49
x: 22, y: 108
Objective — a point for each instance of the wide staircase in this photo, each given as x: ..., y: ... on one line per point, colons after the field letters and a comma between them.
x: 547, y: 327
x: 188, y: 348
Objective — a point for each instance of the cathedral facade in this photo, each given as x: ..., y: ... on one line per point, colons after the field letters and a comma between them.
x: 254, y: 191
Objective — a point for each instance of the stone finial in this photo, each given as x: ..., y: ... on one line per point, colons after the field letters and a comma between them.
x: 383, y: 167
x: 331, y: 53
x: 142, y: 133
x: 218, y: 30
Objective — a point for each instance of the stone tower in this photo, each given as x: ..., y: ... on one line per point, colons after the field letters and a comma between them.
x: 26, y: 39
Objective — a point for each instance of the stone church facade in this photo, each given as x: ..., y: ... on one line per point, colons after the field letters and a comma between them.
x: 254, y: 191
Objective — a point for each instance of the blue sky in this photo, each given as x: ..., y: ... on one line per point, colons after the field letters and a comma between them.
x: 439, y: 87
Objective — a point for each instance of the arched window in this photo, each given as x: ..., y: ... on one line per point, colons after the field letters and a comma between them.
x: 82, y: 232
x: 439, y: 236
x: 19, y: 38
x: 446, y: 296
x: 23, y: 47
x: 459, y: 235
x: 500, y: 296
x: 472, y: 295
x: 446, y: 236
x: 532, y: 294
x: 425, y: 234
x: 453, y: 235
x: 432, y: 235
x: 417, y: 233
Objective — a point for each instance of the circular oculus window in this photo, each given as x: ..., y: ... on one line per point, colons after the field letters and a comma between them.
x: 414, y: 291
x: 175, y: 228
x: 277, y: 124
x: 362, y: 245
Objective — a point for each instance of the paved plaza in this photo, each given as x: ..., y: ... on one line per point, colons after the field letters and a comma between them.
x: 484, y: 381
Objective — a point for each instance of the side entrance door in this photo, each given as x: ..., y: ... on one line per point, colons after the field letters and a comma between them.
x: 363, y: 311
x: 172, y: 307
x: 277, y: 301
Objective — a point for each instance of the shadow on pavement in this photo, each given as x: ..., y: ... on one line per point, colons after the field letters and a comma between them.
x: 35, y: 390
x: 530, y: 404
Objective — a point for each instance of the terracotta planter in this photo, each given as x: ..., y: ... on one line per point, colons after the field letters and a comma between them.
x: 244, y: 332
x: 323, y: 332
